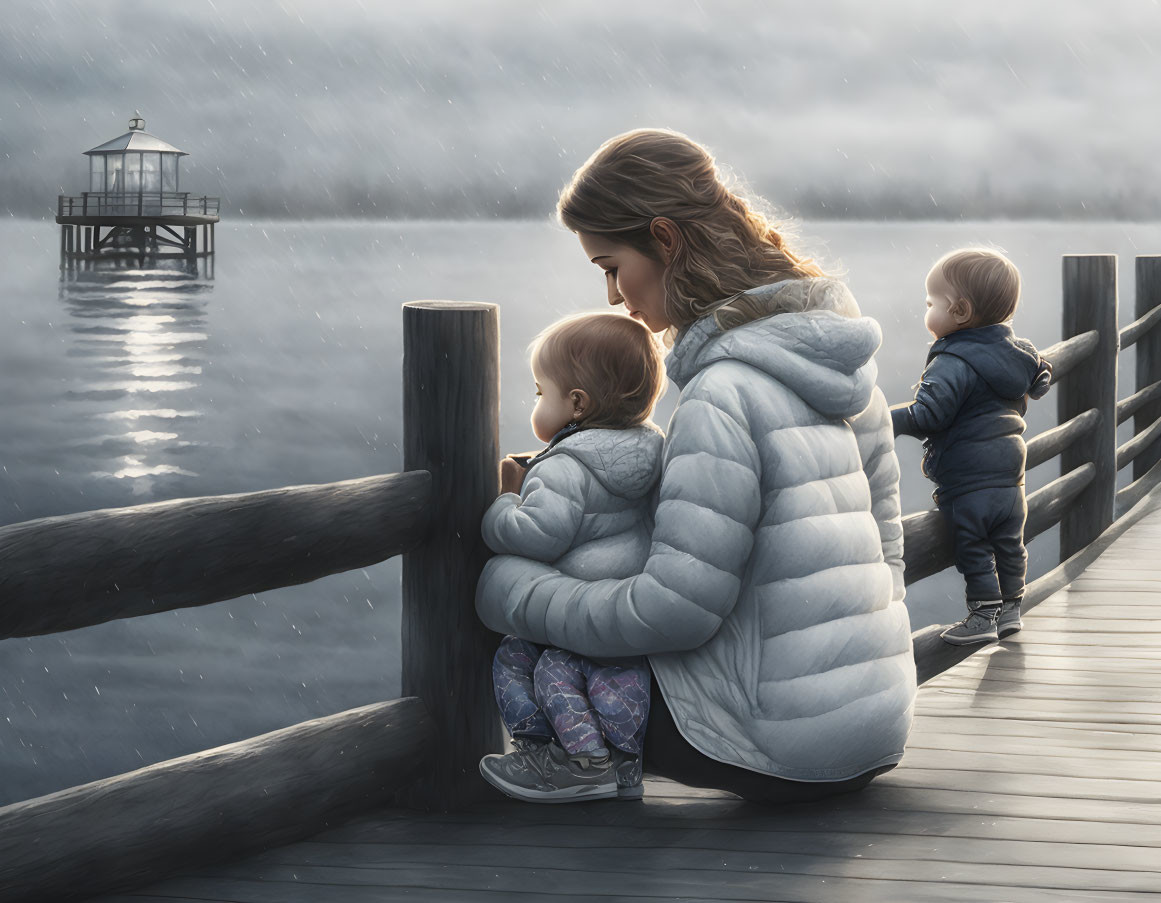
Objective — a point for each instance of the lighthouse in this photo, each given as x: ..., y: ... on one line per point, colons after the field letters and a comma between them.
x: 134, y: 206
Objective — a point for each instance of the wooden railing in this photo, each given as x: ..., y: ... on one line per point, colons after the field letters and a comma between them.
x: 136, y: 203
x: 61, y: 573
x: 67, y: 572
x: 1084, y: 499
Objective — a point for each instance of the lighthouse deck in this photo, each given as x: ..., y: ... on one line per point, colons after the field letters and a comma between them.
x: 191, y: 219
x: 1031, y: 775
x: 92, y: 208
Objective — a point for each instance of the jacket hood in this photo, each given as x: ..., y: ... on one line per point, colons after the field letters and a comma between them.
x: 826, y: 356
x: 626, y: 462
x: 1006, y: 363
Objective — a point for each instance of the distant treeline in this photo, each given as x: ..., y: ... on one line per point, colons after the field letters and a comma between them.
x: 485, y: 199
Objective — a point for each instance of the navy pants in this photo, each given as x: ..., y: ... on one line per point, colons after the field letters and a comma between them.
x: 987, y: 527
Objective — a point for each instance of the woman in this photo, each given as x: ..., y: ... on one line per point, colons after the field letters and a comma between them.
x: 771, y: 606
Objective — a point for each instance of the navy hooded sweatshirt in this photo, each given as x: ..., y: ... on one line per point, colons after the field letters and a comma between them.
x: 970, y: 408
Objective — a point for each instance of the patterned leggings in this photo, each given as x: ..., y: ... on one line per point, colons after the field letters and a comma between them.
x: 544, y: 692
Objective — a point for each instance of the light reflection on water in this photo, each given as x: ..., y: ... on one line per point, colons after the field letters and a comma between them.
x: 142, y: 335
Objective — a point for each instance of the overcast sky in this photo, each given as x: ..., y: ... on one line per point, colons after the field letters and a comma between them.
x: 341, y: 108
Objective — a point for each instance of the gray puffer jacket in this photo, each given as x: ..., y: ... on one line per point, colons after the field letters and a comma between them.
x: 771, y: 605
x: 584, y: 505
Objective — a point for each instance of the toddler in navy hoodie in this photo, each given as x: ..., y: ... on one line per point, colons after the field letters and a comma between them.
x: 969, y: 408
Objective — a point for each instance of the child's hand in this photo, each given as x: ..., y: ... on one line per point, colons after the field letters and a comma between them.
x: 511, y: 475
x: 1042, y: 381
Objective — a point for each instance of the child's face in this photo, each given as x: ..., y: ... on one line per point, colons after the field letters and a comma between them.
x: 632, y: 279
x: 941, y: 300
x: 554, y: 407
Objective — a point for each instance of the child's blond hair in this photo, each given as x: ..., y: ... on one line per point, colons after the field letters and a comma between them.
x: 986, y: 278
x: 725, y: 245
x: 610, y: 356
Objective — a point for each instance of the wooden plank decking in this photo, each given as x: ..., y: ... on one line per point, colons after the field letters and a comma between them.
x: 1033, y: 773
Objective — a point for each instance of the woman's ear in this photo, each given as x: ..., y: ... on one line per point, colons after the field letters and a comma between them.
x: 665, y: 233
x: 581, y: 403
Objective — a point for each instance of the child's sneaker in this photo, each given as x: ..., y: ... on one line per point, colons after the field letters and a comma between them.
x: 528, y: 743
x: 548, y: 774
x: 978, y: 627
x: 1010, y: 620
x: 629, y: 777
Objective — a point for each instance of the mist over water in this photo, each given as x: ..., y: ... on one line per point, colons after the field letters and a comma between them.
x: 147, y: 383
x: 307, y: 108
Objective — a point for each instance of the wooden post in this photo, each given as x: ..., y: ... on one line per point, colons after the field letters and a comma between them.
x: 451, y: 425
x: 1148, y: 358
x: 1090, y: 303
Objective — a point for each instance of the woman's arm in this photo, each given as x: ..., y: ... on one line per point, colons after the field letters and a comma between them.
x: 542, y: 521
x: 708, y: 508
x: 877, y: 449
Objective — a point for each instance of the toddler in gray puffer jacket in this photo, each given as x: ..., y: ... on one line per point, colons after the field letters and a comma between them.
x: 583, y: 505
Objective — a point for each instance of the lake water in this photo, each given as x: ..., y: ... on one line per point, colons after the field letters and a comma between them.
x: 130, y: 386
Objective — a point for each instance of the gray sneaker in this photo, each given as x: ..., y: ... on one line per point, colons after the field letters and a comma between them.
x: 1009, y: 621
x: 547, y: 774
x: 628, y: 769
x: 528, y: 743
x: 977, y: 627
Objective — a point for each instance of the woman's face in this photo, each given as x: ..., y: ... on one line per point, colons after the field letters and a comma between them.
x: 632, y: 278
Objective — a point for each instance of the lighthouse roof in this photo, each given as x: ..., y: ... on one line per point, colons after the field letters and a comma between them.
x: 136, y: 140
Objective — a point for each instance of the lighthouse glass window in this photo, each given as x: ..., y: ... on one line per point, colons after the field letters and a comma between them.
x: 133, y: 173
x: 169, y: 172
x: 151, y: 173
x: 113, y: 173
x: 97, y: 172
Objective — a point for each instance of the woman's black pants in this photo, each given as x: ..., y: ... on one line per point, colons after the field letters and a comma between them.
x: 670, y: 755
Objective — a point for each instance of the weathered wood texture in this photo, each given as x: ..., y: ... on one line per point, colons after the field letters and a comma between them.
x: 1127, y: 407
x: 1139, y: 444
x: 1070, y: 353
x: 60, y: 573
x: 213, y: 805
x: 1009, y: 790
x: 1135, y: 491
x: 927, y: 547
x: 1090, y: 303
x: 1148, y: 351
x: 451, y: 414
x: 1052, y: 442
x: 1144, y: 323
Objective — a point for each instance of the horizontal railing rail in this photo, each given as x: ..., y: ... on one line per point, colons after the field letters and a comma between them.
x: 1127, y: 407
x: 1131, y: 333
x: 145, y: 203
x: 61, y: 573
x: 927, y: 546
x: 1047, y: 445
x: 1070, y: 353
x: 125, y: 831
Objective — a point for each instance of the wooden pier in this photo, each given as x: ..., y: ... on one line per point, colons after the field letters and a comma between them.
x: 1031, y: 774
